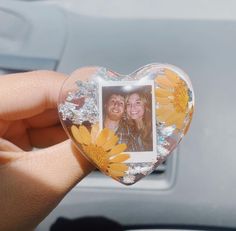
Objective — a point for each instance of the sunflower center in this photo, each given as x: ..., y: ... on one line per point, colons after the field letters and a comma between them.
x: 180, y: 97
x: 97, y: 154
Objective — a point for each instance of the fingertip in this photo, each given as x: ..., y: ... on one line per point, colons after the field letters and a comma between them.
x: 35, y: 92
x: 51, y: 82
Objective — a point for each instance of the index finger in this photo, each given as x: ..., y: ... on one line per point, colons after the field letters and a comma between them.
x: 24, y: 95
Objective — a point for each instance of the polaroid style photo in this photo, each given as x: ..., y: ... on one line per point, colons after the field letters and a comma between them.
x: 128, y: 109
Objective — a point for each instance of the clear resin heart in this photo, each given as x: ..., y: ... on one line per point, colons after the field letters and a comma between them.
x: 127, y: 125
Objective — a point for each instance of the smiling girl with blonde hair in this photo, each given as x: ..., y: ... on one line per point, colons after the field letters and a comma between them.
x: 139, y: 118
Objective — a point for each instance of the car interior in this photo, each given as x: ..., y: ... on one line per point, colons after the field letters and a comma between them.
x: 193, y: 189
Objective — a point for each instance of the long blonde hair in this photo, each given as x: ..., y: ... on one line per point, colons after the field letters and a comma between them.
x: 146, y: 131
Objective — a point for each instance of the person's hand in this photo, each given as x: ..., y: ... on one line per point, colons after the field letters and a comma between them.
x: 32, y: 183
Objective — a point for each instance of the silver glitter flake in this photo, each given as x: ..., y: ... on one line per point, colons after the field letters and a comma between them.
x: 129, y: 179
x: 81, y: 105
x: 167, y: 131
x: 140, y: 168
x: 66, y: 110
x: 162, y: 151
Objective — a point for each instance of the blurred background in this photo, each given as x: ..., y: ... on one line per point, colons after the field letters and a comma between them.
x: 195, y: 187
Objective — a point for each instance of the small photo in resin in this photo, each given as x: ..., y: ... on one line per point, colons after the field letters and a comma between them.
x: 127, y: 109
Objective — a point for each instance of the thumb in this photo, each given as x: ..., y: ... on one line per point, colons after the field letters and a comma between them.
x: 60, y: 166
x: 36, y: 182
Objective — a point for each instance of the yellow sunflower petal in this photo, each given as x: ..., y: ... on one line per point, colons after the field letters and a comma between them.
x: 163, y: 113
x: 172, y: 76
x: 167, y: 106
x: 111, y: 134
x: 76, y: 134
x: 177, y: 119
x: 180, y: 121
x: 163, y: 92
x: 110, y: 143
x: 163, y: 82
x: 115, y: 174
x: 163, y: 100
x: 94, y: 132
x: 102, y: 137
x: 173, y: 117
x: 117, y: 149
x: 120, y: 158
x: 157, y: 78
x: 118, y: 167
x: 85, y: 135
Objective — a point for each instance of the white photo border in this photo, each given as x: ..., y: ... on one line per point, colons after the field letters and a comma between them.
x: 135, y: 157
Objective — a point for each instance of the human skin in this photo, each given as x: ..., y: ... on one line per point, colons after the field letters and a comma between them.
x: 115, y: 108
x: 33, y: 182
x: 135, y: 108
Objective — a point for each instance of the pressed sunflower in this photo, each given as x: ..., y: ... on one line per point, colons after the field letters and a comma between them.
x: 102, y: 149
x: 172, y: 97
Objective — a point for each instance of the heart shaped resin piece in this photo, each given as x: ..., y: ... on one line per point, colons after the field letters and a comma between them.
x: 127, y: 125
